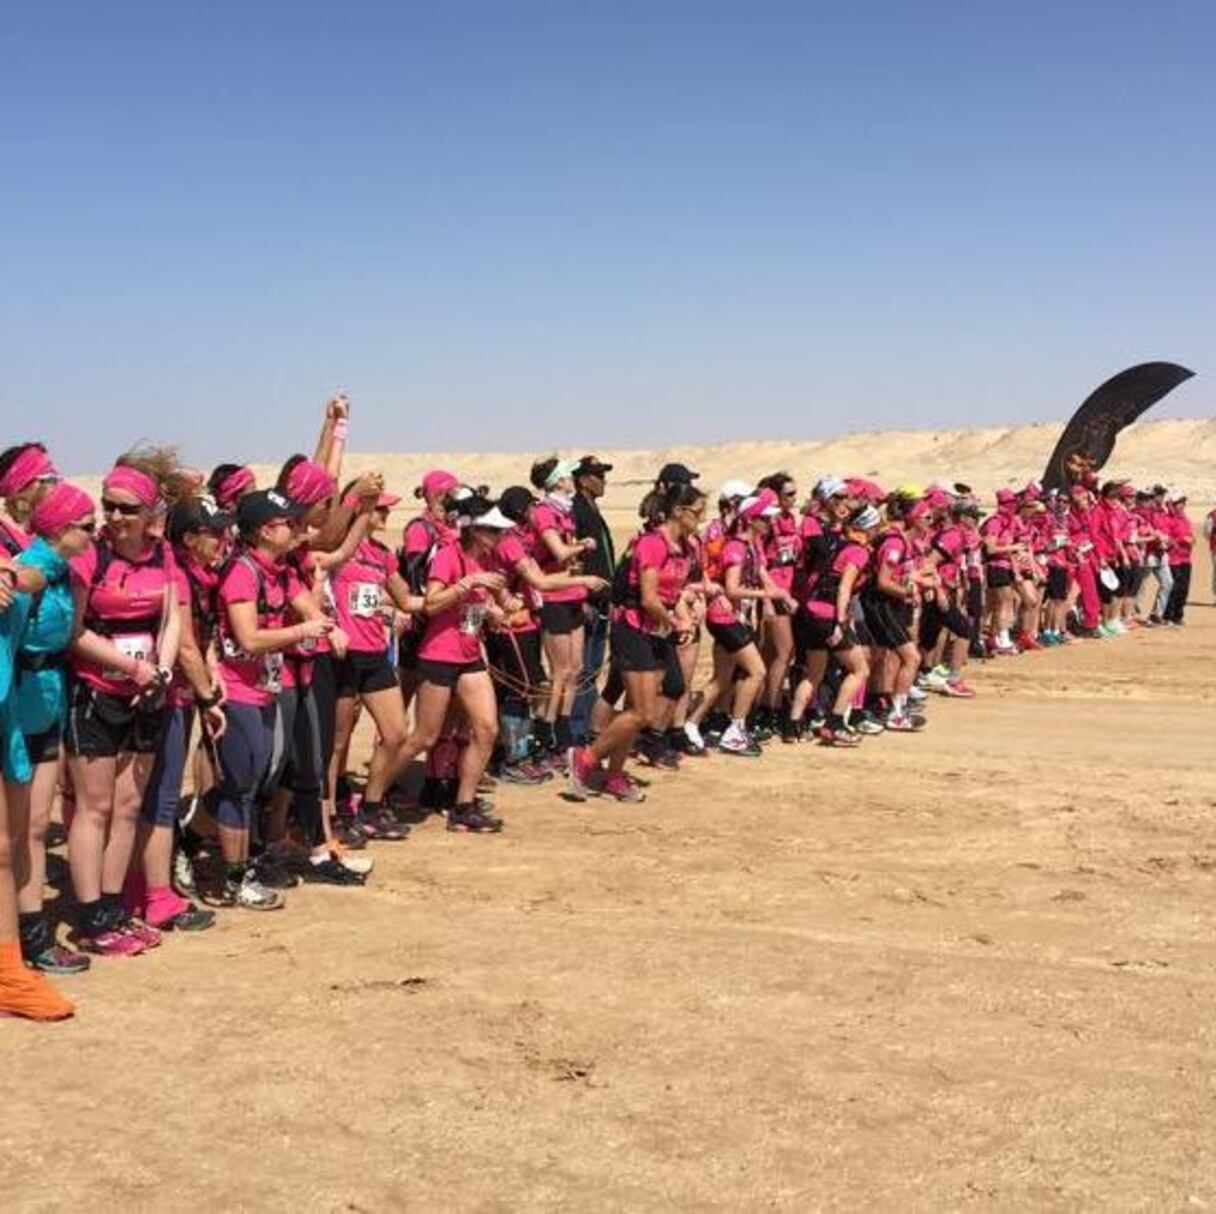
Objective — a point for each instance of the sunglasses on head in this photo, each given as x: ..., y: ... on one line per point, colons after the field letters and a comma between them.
x: 126, y: 509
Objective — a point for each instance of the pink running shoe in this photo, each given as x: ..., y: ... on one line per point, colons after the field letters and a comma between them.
x: 618, y: 785
x: 137, y: 929
x: 110, y: 943
x: 585, y: 774
x: 958, y: 689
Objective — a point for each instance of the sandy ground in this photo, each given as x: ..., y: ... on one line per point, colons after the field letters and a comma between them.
x: 972, y: 968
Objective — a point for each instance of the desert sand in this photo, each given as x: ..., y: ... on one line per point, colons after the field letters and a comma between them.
x: 966, y: 969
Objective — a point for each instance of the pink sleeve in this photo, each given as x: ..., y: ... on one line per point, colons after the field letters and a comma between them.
x: 417, y: 539
x: 732, y: 553
x: 445, y: 567
x: 859, y: 558
x: 544, y: 518
x: 510, y: 551
x: 239, y: 585
x: 650, y: 552
x: 181, y: 585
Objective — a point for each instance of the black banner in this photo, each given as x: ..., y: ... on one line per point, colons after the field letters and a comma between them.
x: 1089, y: 437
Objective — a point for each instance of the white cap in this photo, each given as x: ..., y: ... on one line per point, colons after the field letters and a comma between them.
x: 829, y: 487
x: 748, y: 504
x: 493, y: 519
x: 732, y: 489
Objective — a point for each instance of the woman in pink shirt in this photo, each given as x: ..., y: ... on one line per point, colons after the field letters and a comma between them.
x: 367, y: 587
x: 745, y: 583
x: 462, y: 597
x: 782, y: 557
x: 515, y: 649
x: 645, y: 632
x: 1182, y: 544
x: 256, y: 592
x: 424, y: 535
x: 562, y: 612
x: 26, y: 473
x: 122, y: 656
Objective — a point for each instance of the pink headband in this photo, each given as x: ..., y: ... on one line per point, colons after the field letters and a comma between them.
x: 230, y: 489
x: 139, y: 484
x: 31, y: 464
x: 309, y: 483
x: 62, y: 505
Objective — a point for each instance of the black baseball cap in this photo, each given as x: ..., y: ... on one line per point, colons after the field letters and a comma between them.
x: 264, y: 506
x: 516, y: 502
x: 675, y: 474
x: 197, y: 514
x: 589, y: 465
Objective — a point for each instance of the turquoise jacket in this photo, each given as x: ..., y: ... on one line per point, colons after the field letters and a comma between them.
x: 33, y: 689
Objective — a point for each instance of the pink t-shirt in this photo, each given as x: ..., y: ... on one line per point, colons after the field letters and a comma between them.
x: 358, y: 585
x: 254, y: 680
x: 1182, y: 538
x: 653, y: 551
x: 822, y: 600
x: 513, y: 548
x: 548, y: 517
x: 894, y: 552
x: 783, y: 548
x: 454, y: 635
x: 126, y: 606
x: 747, y: 556
x: 951, y: 547
x: 1001, y: 528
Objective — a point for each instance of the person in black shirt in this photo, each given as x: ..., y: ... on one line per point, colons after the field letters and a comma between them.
x: 589, y: 482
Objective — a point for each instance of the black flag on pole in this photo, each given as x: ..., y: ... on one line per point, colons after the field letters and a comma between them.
x: 1089, y: 437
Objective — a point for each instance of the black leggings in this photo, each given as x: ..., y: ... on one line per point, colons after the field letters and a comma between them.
x: 1176, y: 607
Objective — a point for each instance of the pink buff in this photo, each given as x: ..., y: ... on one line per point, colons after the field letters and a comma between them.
x: 62, y: 505
x: 32, y: 464
x: 163, y: 904
x: 309, y: 483
x: 141, y: 486
x: 229, y: 491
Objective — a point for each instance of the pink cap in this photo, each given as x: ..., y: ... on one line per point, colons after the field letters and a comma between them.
x: 1127, y: 490
x: 763, y: 505
x: 309, y: 483
x: 32, y: 464
x: 62, y: 505
x: 936, y: 498
x: 438, y: 481
x: 1005, y: 497
x: 229, y: 491
x: 858, y: 486
x: 139, y: 484
x: 386, y: 501
x: 919, y: 512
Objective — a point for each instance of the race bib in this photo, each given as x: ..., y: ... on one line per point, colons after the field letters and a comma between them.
x: 471, y: 618
x: 363, y: 600
x: 271, y: 678
x: 136, y: 645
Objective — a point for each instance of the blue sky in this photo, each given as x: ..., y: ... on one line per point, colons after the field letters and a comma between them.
x: 505, y: 225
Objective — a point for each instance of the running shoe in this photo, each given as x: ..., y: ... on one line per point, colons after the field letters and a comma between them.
x: 350, y: 834
x: 1028, y: 641
x: 381, y: 826
x: 331, y: 871
x: 59, y: 961
x: 272, y: 874
x: 736, y: 742
x: 816, y: 720
x: 192, y: 919
x: 250, y: 894
x: 934, y: 680
x: 958, y: 689
x: 110, y: 942
x: 1005, y: 649
x: 899, y: 722
x: 183, y: 880
x: 519, y: 773
x: 620, y: 787
x: 830, y: 736
x: 696, y: 742
x: 362, y: 865
x: 586, y: 777
x: 147, y: 935
x: 473, y: 820
x: 864, y: 723
x: 28, y: 994
x: 759, y: 732
x: 917, y: 695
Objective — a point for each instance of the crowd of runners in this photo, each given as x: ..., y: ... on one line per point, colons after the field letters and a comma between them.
x: 184, y: 660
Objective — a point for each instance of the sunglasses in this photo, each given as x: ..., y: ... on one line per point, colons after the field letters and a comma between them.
x: 126, y: 509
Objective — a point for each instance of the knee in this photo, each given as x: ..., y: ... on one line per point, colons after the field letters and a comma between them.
x: 483, y: 732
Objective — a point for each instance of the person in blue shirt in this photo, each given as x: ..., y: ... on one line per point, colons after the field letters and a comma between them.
x: 40, y: 630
